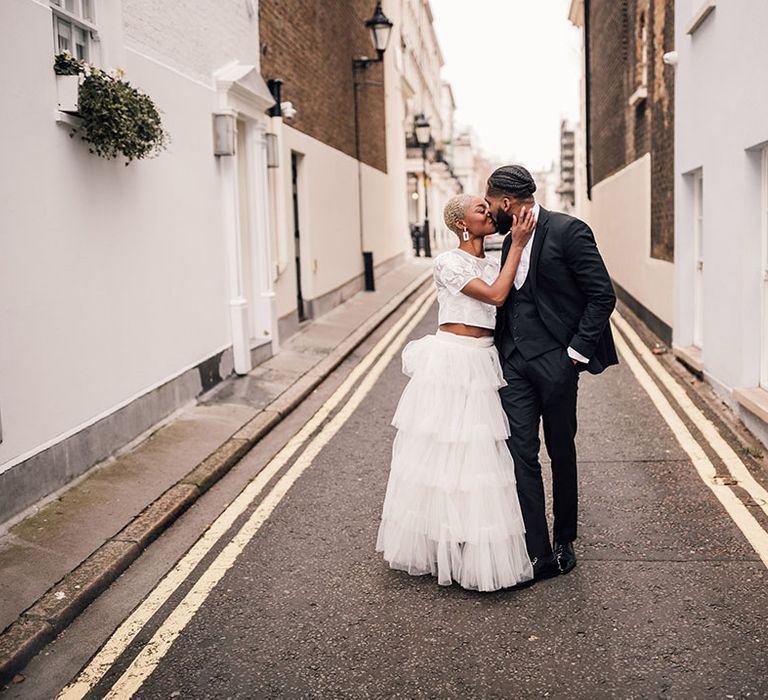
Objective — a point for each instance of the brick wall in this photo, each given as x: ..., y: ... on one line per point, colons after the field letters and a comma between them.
x: 620, y: 133
x: 310, y: 46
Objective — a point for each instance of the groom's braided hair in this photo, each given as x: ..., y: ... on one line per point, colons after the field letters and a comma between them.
x: 511, y: 181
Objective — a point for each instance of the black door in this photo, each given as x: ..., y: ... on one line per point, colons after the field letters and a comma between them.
x: 297, y: 236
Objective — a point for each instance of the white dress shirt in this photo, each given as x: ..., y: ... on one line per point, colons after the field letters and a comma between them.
x: 522, y: 273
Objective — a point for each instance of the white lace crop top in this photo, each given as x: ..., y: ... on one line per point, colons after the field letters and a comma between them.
x: 453, y: 269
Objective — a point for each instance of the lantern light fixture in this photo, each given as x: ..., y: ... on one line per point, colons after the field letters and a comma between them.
x: 380, y: 28
x: 422, y: 130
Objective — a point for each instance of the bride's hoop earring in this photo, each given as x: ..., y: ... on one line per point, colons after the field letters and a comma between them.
x: 465, y: 235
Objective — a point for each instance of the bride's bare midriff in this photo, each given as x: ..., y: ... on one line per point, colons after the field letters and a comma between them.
x: 463, y: 329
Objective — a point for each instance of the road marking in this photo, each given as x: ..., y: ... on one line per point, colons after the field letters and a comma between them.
x: 744, y: 520
x: 731, y: 460
x: 152, y: 653
x: 126, y: 633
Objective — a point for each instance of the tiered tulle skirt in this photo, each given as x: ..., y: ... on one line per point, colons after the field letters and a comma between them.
x: 451, y: 507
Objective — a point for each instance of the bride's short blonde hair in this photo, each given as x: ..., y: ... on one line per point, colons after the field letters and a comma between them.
x: 455, y: 210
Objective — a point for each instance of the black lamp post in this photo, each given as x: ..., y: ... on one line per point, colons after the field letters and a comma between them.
x: 380, y: 28
x: 423, y: 133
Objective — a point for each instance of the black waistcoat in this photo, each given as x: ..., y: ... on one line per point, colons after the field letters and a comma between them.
x: 524, y: 328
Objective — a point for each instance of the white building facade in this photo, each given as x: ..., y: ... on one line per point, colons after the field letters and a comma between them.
x: 425, y: 93
x: 127, y: 291
x: 721, y: 201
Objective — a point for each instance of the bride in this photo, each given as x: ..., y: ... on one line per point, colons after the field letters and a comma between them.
x: 451, y: 506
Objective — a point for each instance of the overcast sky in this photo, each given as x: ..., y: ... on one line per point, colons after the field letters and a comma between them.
x: 514, y: 69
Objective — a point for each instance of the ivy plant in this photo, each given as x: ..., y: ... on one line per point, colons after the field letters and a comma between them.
x: 117, y: 119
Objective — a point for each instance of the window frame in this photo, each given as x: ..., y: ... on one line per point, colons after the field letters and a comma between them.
x: 640, y: 64
x: 76, y: 20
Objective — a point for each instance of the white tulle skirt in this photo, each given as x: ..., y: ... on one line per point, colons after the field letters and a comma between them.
x: 451, y: 507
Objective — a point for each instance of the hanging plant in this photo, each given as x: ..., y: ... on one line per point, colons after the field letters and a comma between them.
x: 66, y: 64
x: 117, y: 119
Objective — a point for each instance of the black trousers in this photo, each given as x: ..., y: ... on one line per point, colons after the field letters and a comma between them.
x: 544, y: 387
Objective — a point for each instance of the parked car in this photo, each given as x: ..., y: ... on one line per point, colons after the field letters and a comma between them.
x: 494, y: 241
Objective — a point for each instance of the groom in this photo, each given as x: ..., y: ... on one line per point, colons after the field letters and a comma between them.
x: 553, y: 325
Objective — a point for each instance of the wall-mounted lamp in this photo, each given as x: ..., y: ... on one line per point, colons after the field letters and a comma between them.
x: 224, y: 133
x: 380, y: 28
x: 273, y: 155
x: 422, y: 132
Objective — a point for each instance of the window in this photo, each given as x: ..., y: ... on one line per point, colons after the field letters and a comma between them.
x: 73, y: 27
x: 640, y: 77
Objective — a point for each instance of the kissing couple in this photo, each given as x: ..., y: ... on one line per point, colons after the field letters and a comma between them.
x: 465, y: 497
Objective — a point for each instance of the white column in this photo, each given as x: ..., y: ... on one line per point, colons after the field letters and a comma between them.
x: 238, y: 307
x: 265, y: 306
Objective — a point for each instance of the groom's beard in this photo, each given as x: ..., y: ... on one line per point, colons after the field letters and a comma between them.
x: 503, y: 222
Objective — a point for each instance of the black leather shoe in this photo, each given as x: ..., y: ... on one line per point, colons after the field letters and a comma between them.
x: 565, y: 556
x: 545, y: 567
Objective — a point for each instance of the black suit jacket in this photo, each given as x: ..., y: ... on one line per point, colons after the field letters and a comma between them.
x: 573, y: 292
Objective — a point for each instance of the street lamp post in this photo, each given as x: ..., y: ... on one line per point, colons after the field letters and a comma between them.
x: 423, y: 133
x: 380, y: 28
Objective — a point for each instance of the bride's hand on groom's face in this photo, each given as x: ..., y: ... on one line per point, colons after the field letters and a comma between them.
x: 522, y: 227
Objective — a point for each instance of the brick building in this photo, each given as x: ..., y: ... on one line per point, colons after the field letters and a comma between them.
x: 310, y: 47
x: 327, y: 207
x: 628, y: 140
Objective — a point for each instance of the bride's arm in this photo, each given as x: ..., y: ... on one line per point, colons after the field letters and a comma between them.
x: 497, y: 292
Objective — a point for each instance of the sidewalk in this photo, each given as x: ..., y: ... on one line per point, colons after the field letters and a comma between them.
x: 55, y: 562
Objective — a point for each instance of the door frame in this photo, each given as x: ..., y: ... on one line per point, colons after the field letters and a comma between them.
x: 243, y: 96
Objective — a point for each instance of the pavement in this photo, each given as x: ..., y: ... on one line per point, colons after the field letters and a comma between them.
x: 57, y: 560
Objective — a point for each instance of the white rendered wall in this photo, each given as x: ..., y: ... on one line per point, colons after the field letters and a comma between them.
x: 329, y: 211
x: 112, y: 278
x: 721, y: 115
x: 329, y: 217
x: 620, y: 217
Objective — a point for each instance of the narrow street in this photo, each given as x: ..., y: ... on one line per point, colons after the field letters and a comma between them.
x: 668, y: 598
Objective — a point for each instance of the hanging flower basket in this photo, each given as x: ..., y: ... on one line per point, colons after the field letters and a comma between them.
x: 117, y: 119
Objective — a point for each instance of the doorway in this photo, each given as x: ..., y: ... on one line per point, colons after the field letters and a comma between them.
x: 295, y: 165
x: 698, y: 253
x: 764, y: 271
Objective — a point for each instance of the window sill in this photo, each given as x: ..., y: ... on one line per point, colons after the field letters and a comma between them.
x: 638, y: 96
x: 68, y: 118
x: 755, y: 400
x: 700, y: 15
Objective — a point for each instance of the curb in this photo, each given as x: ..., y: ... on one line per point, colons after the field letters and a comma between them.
x: 64, y: 601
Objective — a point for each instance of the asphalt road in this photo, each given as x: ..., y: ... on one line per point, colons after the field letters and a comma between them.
x: 668, y: 598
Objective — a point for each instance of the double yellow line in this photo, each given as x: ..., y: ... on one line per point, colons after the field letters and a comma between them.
x: 719, y: 484
x: 152, y: 653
